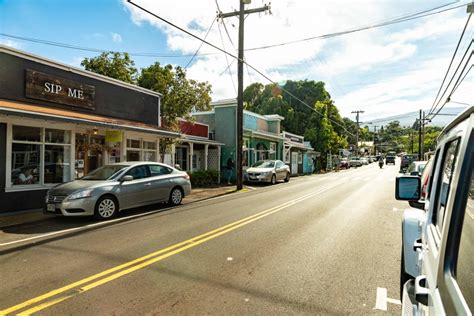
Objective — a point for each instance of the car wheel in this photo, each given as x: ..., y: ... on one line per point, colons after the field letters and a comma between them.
x: 176, y: 197
x: 287, y: 179
x: 106, y: 207
x: 273, y: 181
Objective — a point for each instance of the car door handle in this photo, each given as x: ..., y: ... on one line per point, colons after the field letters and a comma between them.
x: 147, y: 184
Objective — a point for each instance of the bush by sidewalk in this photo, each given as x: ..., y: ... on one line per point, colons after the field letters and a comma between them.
x: 204, y: 178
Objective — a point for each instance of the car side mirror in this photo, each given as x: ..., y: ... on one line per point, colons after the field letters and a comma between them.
x: 407, y: 188
x: 127, y: 178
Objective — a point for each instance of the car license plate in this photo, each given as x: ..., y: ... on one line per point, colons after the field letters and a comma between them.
x: 50, y: 207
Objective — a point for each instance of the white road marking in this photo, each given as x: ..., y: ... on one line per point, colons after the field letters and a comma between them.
x: 83, y: 227
x: 395, y: 209
x: 251, y: 188
x: 230, y: 258
x: 381, y: 300
x: 304, y: 197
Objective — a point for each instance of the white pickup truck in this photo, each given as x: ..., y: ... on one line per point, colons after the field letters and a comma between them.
x: 437, y: 264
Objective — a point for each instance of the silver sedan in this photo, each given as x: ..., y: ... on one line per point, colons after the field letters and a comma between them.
x: 112, y: 188
x: 268, y: 171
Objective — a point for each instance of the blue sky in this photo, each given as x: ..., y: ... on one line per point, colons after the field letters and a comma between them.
x: 384, y: 71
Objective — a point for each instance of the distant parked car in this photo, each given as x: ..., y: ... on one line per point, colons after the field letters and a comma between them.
x: 364, y: 161
x: 390, y: 159
x: 345, y: 163
x: 355, y: 162
x: 406, y: 161
x: 268, y: 171
x: 112, y: 188
x: 416, y: 168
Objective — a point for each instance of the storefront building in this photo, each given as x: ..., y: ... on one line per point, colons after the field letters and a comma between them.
x: 195, y: 149
x: 58, y: 123
x: 298, y: 154
x: 261, y: 133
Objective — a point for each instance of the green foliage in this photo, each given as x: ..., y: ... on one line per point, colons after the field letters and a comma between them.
x: 203, y: 178
x: 180, y: 94
x: 315, y: 122
x: 112, y: 64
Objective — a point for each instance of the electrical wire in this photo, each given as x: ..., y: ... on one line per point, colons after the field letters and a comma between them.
x: 452, y: 77
x: 363, y: 28
x: 151, y: 54
x: 458, y: 82
x: 94, y: 50
x: 200, y: 45
x: 225, y: 26
x: 227, y: 60
x: 232, y: 55
x: 433, y: 106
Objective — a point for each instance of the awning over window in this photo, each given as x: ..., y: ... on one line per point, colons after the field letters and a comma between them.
x: 35, y: 111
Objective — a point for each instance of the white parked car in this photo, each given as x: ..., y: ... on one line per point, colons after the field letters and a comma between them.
x: 437, y: 270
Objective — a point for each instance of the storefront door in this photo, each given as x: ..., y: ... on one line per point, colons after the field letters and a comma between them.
x: 90, y: 151
x: 294, y: 162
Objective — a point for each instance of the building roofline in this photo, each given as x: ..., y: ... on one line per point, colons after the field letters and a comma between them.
x: 79, y: 71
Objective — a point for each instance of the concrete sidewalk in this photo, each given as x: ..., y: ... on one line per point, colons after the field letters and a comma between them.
x: 36, y: 215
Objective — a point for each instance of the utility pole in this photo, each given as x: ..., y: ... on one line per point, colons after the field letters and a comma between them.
x: 357, y: 134
x: 420, y: 122
x: 240, y: 79
x: 375, y: 140
x: 423, y: 136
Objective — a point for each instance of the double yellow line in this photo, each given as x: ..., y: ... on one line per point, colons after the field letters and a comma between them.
x: 59, y: 295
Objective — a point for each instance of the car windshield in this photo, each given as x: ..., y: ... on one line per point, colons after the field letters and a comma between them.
x: 104, y: 173
x: 355, y: 158
x: 264, y: 164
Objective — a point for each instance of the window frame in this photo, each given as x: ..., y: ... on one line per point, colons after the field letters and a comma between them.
x: 9, y: 187
x: 450, y: 293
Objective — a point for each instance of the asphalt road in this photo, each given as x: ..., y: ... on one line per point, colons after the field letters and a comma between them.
x: 325, y: 244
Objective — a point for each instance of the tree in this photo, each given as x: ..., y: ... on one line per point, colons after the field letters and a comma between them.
x: 180, y: 95
x: 112, y: 64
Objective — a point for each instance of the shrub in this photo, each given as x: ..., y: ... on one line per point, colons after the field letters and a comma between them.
x: 204, y: 178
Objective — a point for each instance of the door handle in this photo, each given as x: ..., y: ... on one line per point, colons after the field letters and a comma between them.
x: 421, y: 291
x: 418, y: 244
x: 147, y: 184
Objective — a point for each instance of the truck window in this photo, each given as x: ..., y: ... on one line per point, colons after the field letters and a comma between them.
x: 465, y: 264
x: 444, y: 183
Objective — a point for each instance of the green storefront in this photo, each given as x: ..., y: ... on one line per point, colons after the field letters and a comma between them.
x: 262, y: 137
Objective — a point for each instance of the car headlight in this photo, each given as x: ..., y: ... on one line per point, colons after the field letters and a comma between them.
x: 80, y: 195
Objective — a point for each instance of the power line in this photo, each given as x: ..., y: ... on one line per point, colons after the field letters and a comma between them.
x: 455, y: 86
x: 454, y: 74
x: 363, y: 28
x: 227, y: 60
x: 94, y: 50
x: 449, y: 67
x: 232, y: 55
x: 200, y: 45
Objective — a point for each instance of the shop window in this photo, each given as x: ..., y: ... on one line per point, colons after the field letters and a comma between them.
x: 57, y: 164
x: 27, y: 133
x: 138, y: 150
x: 273, y: 147
x: 133, y: 155
x: 34, y: 161
x: 300, y: 158
x: 26, y: 164
x: 57, y: 136
x: 133, y: 143
x: 195, y: 161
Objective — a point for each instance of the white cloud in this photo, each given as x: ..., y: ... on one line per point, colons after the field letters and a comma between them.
x: 10, y: 43
x: 417, y: 50
x: 117, y: 38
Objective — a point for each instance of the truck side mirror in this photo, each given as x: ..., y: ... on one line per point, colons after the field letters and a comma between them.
x: 407, y: 188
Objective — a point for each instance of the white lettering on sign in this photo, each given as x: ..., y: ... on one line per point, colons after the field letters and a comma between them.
x: 53, y: 88
x: 78, y: 94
